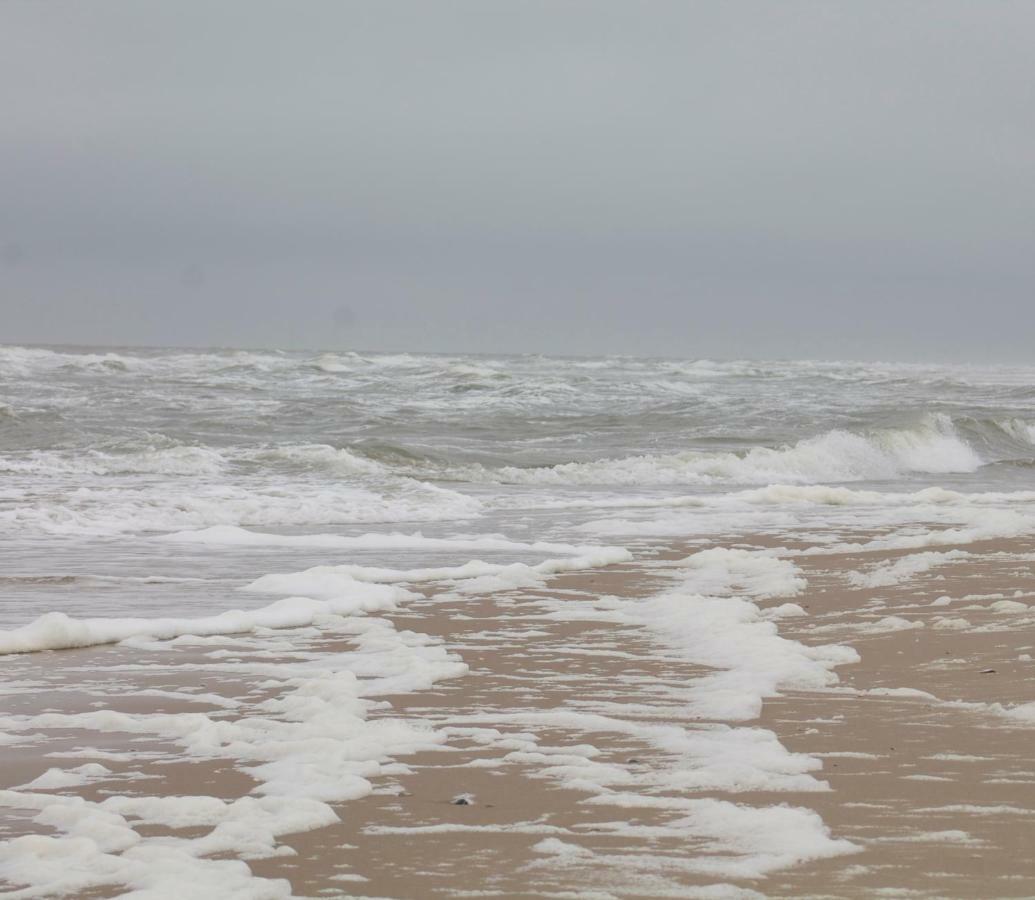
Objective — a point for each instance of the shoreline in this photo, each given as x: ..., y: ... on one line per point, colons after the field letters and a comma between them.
x: 588, y: 755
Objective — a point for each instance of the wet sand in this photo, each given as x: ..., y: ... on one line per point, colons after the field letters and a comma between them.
x: 935, y: 791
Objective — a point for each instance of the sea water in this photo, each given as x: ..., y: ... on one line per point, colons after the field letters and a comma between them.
x: 158, y: 482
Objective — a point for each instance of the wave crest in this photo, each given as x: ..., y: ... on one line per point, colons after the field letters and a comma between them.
x: 934, y: 446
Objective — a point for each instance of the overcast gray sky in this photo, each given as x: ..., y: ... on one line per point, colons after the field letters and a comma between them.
x: 820, y: 179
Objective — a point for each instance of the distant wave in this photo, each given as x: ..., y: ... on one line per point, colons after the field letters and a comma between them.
x: 180, y: 460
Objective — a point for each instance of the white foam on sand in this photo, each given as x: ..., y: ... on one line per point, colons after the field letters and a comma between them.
x: 1020, y: 715
x: 57, y: 631
x: 730, y: 840
x: 755, y: 840
x: 65, y: 778
x: 309, y: 744
x: 904, y: 568
x: 472, y: 577
x: 710, y: 619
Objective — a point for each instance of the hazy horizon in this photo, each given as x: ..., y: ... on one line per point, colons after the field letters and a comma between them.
x: 933, y: 361
x: 697, y: 180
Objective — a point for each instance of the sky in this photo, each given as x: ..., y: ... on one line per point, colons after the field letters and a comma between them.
x: 700, y: 179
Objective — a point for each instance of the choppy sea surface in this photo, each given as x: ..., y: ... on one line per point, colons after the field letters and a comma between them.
x: 147, y: 482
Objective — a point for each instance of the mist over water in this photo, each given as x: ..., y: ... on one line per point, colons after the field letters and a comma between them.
x: 106, y: 453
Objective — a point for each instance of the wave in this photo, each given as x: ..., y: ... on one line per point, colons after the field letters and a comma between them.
x: 935, y: 446
x: 182, y: 487
x: 230, y: 535
x: 337, y: 363
x: 182, y: 460
x: 26, y: 361
x: 938, y: 445
x: 29, y: 361
x: 162, y: 507
x: 822, y: 513
x: 466, y: 370
x: 322, y: 456
x: 191, y: 460
x: 57, y: 631
x: 1000, y: 437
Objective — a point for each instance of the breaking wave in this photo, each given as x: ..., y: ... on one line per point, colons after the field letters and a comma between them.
x: 936, y: 446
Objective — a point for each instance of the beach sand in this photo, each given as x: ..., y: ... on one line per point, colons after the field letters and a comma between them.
x: 917, y: 761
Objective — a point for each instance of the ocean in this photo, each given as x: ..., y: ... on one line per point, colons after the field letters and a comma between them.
x: 454, y: 625
x: 143, y: 482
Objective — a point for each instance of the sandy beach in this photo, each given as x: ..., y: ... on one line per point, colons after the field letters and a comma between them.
x: 570, y: 751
